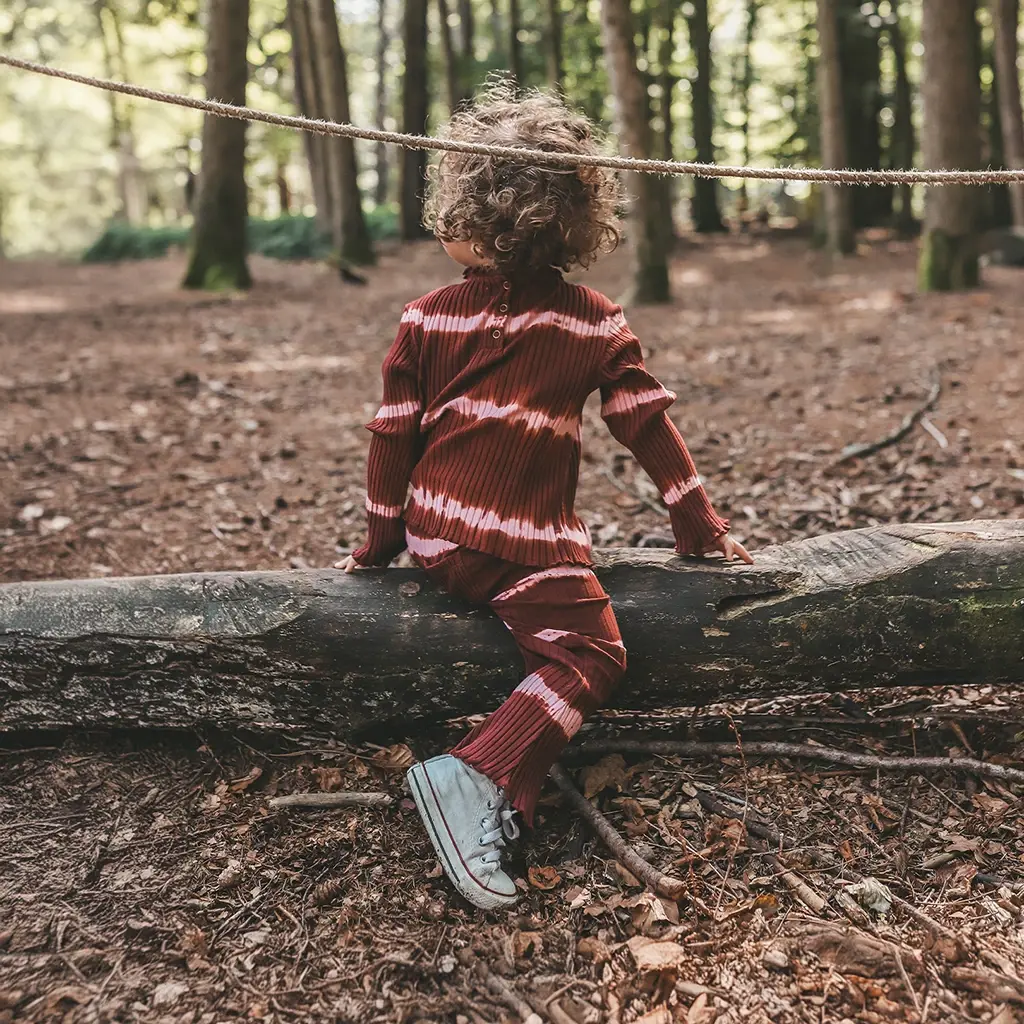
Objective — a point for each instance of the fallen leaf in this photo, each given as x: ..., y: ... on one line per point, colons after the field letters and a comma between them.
x: 647, y: 910
x: 328, y: 779
x: 846, y: 850
x: 592, y: 948
x: 872, y: 895
x: 543, y: 876
x: 526, y: 942
x: 31, y: 512
x: 168, y: 993
x: 659, y: 1015
x: 609, y: 772
x: 67, y: 994
x: 242, y: 784
x: 625, y: 875
x: 396, y: 758
x: 230, y: 876
x: 577, y: 897
x: 652, y: 955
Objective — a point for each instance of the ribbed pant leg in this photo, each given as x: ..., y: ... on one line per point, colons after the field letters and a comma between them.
x: 564, y: 624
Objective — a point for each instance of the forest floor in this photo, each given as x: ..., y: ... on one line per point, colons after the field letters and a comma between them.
x: 146, y: 430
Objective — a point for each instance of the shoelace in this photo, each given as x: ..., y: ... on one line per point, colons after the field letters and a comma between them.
x: 498, y: 826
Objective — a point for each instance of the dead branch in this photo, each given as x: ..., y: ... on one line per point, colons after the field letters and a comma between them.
x: 907, y: 424
x: 657, y: 881
x: 324, y: 801
x: 812, y: 900
x: 515, y: 1002
x: 808, y: 751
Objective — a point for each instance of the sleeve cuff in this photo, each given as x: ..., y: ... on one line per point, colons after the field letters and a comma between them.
x: 696, y: 525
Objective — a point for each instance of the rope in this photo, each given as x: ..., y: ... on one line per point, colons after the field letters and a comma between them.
x: 538, y: 157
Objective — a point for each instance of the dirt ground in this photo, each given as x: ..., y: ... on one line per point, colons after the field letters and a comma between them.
x: 145, y: 430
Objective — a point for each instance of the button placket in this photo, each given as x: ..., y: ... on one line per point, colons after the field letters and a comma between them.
x: 500, y: 321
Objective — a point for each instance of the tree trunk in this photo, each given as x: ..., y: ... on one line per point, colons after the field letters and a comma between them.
x: 467, y: 33
x: 451, y: 59
x: 307, y: 99
x: 1005, y: 19
x: 707, y: 218
x: 903, y: 141
x: 131, y: 184
x: 951, y: 139
x: 667, y: 11
x: 650, y: 215
x: 555, y: 71
x: 351, y: 235
x: 219, y: 237
x: 838, y: 200
x: 515, y: 48
x: 860, y: 57
x: 386, y: 652
x: 380, y: 194
x: 415, y: 100
x: 746, y: 84
x: 997, y: 207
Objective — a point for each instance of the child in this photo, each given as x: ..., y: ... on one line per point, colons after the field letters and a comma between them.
x: 484, y: 390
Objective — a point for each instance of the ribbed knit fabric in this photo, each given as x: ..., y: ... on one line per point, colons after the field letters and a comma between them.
x: 563, y: 622
x: 484, y: 389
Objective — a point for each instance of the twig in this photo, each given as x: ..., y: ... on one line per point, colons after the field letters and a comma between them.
x: 860, y: 451
x: 906, y: 979
x: 327, y: 800
x: 812, y: 900
x: 812, y: 752
x: 664, y: 885
x: 504, y: 991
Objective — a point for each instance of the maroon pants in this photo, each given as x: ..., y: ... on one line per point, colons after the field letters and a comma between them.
x: 564, y: 625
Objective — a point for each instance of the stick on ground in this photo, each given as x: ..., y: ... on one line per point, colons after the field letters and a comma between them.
x: 324, y: 801
x: 861, y: 451
x: 657, y: 881
x: 810, y: 751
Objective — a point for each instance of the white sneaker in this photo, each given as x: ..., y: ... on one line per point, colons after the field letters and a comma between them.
x: 468, y: 820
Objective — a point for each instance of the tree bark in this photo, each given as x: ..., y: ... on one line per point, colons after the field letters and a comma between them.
x: 351, y: 235
x: 746, y: 84
x: 467, y: 33
x: 219, y: 242
x: 451, y: 59
x: 556, y: 73
x: 515, y: 48
x: 838, y: 200
x: 951, y: 93
x: 374, y: 652
x: 1005, y: 21
x: 651, y: 210
x: 380, y: 194
x: 903, y: 140
x: 860, y: 55
x: 707, y: 219
x: 307, y: 99
x: 415, y: 101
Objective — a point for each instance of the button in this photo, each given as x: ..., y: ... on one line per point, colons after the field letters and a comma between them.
x: 503, y: 308
x: 495, y: 333
x: 506, y: 285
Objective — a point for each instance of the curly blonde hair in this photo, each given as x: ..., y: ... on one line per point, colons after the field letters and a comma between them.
x: 521, y: 216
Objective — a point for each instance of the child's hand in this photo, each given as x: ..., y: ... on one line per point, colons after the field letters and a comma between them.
x: 730, y: 548
x: 349, y: 565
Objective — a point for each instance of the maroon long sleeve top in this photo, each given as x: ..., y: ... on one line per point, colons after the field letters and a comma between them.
x: 484, y: 389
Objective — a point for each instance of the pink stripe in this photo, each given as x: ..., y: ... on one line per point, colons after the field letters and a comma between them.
x: 387, y: 511
x: 562, y: 714
x: 397, y: 412
x: 428, y: 547
x: 551, y: 634
x: 488, y: 519
x: 484, y: 409
x: 446, y: 324
x: 677, y: 492
x: 559, y: 571
x: 624, y: 401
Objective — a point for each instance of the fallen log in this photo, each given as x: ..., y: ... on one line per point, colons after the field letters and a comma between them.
x: 373, y: 653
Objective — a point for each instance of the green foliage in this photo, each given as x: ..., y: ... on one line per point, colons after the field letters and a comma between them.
x: 283, y: 238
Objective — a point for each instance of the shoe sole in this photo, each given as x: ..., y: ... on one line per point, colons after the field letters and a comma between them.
x: 429, y: 811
